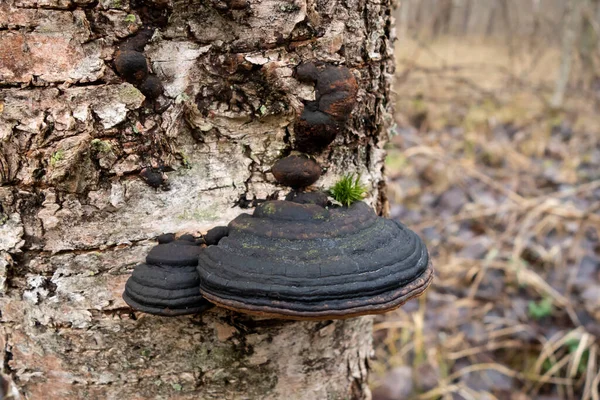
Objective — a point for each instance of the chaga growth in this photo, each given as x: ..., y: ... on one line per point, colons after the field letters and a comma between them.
x: 321, y: 120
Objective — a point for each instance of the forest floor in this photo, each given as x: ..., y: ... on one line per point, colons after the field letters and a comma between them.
x: 506, y: 194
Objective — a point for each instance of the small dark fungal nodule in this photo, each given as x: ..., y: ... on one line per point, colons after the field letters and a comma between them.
x: 131, y: 65
x: 335, y: 91
x: 138, y: 41
x: 151, y: 87
x: 314, y: 129
x: 188, y: 238
x: 296, y: 171
x: 167, y: 283
x: 153, y: 176
x: 304, y: 261
x: 165, y: 238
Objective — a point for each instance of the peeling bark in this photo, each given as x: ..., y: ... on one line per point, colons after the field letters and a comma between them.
x: 76, y: 216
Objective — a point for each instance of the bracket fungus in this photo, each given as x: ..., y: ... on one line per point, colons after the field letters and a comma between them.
x: 301, y: 260
x: 321, y: 120
x: 168, y: 283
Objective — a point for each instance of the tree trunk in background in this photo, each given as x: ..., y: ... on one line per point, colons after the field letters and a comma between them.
x: 76, y: 215
x: 571, y: 29
x: 588, y: 42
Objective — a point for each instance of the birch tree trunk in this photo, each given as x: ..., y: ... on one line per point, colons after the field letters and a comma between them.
x: 570, y: 31
x: 92, y: 171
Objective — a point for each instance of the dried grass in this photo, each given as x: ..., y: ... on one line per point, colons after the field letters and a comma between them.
x: 562, y: 358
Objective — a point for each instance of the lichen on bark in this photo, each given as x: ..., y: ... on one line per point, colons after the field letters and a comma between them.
x: 75, y: 215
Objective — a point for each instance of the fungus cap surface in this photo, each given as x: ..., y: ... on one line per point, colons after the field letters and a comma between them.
x: 168, y: 283
x: 303, y: 261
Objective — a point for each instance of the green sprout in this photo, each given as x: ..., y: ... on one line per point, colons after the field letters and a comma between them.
x: 101, y: 146
x: 541, y: 309
x: 348, y: 190
x: 130, y: 18
x: 56, y: 157
x: 573, y: 344
x: 177, y: 386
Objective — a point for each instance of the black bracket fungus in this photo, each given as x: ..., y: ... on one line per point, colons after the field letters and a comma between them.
x: 296, y: 171
x: 321, y: 120
x: 167, y: 284
x: 299, y: 260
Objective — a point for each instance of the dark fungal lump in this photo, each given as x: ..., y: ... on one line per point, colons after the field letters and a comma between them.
x: 167, y: 283
x: 130, y: 63
x: 296, y: 171
x: 335, y: 97
x: 300, y: 260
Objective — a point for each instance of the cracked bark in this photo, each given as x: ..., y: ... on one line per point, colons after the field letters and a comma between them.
x: 75, y: 216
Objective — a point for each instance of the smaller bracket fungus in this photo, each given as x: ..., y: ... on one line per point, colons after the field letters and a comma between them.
x: 167, y: 284
x: 336, y: 90
x: 165, y: 238
x: 296, y: 171
x: 304, y: 261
